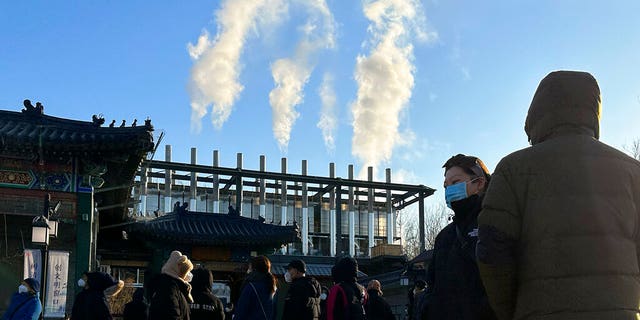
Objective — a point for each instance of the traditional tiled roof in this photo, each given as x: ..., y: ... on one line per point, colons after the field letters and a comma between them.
x: 315, y: 270
x: 29, y: 130
x: 213, y: 229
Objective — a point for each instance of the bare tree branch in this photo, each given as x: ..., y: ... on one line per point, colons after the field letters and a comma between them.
x: 634, y: 149
x: 436, y: 218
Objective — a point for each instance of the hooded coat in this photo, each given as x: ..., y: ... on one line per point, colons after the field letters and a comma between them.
x: 91, y: 303
x: 559, y: 229
x: 205, y: 306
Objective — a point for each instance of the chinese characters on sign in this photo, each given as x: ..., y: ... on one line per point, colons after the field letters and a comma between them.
x: 57, y: 284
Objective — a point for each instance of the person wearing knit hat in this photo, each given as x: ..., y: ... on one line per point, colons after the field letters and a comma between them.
x: 171, y: 291
x: 25, y: 304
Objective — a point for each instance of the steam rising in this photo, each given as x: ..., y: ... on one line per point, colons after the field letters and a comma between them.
x: 328, y: 120
x: 384, y: 78
x: 291, y: 74
x: 214, y: 76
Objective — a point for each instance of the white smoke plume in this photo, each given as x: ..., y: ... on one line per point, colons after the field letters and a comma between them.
x: 328, y: 119
x: 216, y: 70
x: 384, y: 78
x: 291, y: 74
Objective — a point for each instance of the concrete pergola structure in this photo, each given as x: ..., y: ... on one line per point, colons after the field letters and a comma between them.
x: 315, y: 188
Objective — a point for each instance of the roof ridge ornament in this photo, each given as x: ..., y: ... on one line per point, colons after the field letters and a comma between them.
x: 30, y: 110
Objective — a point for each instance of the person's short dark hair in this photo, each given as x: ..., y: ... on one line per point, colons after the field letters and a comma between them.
x: 345, y: 270
x: 298, y: 265
x: 469, y: 164
x: 420, y: 284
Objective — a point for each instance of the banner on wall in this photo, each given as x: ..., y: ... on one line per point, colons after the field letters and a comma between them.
x: 32, y: 264
x: 57, y: 276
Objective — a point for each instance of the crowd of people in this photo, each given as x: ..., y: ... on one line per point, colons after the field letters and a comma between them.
x: 551, y: 234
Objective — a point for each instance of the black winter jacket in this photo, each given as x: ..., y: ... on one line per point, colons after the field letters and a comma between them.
x: 206, y: 306
x: 303, y: 300
x: 169, y: 299
x: 454, y: 287
x: 377, y: 308
x: 91, y: 303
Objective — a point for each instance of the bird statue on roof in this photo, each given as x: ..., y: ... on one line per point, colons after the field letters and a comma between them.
x: 28, y: 106
x: 112, y: 124
x: 124, y: 122
x: 135, y: 122
x: 39, y: 108
x: 97, y: 120
x: 30, y: 109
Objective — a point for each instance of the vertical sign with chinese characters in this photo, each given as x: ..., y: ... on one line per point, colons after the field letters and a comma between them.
x: 32, y: 264
x: 58, y: 271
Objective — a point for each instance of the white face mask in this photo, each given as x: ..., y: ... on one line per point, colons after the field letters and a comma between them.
x: 249, y: 270
x: 323, y: 296
x: 188, y: 277
x: 22, y: 289
x: 81, y: 283
x: 227, y: 309
x: 287, y: 277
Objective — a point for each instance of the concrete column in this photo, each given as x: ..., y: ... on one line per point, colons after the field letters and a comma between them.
x: 239, y: 198
x: 215, y: 193
x: 390, y: 222
x: 142, y: 208
x: 352, y: 219
x: 193, y: 186
x: 283, y: 200
x: 168, y: 181
x: 305, y: 212
x: 332, y: 213
x: 370, y: 200
x: 263, y: 188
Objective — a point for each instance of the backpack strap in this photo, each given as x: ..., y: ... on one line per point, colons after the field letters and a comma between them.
x: 259, y: 301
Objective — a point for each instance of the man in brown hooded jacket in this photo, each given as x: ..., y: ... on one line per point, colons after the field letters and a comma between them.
x: 559, y: 229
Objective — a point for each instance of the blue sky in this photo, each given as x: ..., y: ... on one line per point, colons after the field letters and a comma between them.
x: 461, y: 79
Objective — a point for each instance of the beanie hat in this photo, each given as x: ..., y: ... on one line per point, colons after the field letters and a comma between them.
x: 33, y: 284
x: 178, y: 265
x: 298, y: 265
x: 346, y: 270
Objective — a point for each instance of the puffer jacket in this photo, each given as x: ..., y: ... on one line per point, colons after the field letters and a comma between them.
x: 170, y: 298
x: 559, y: 230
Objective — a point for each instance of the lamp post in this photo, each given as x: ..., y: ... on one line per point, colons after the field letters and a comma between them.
x: 41, y: 229
x: 40, y: 237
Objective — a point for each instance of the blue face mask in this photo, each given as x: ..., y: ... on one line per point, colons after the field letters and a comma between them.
x: 455, y: 192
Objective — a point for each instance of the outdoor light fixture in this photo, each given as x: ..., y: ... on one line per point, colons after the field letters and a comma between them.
x: 404, y: 280
x: 40, y: 230
x: 53, y: 227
